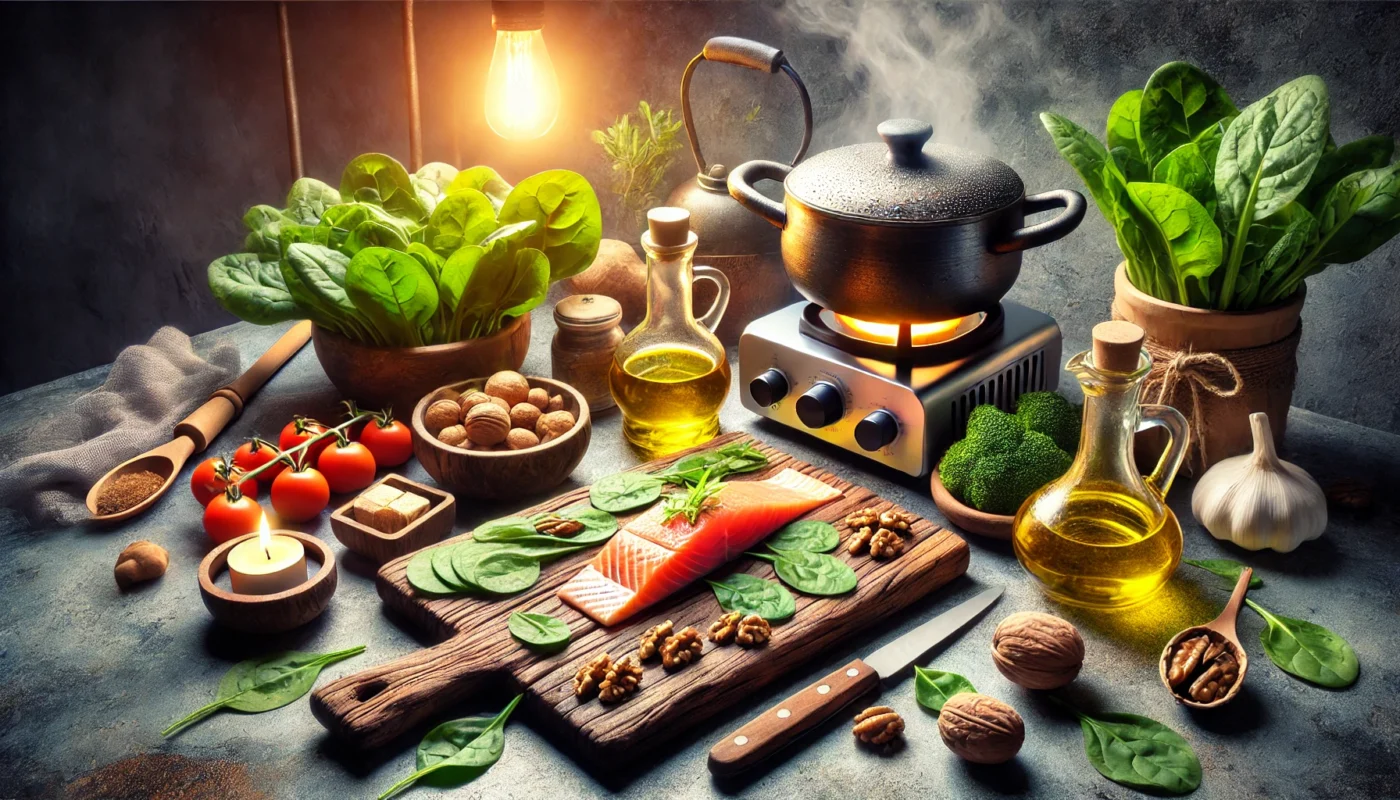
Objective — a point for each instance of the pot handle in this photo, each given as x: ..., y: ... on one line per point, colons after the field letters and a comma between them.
x: 741, y: 187
x: 750, y: 55
x: 1050, y: 230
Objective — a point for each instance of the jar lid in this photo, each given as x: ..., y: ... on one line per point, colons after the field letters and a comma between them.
x: 906, y: 179
x: 587, y: 311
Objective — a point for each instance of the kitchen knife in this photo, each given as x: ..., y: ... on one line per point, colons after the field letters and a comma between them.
x: 782, y: 724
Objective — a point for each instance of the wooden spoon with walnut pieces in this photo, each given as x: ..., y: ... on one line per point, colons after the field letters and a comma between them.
x: 1204, y: 665
x: 195, y: 432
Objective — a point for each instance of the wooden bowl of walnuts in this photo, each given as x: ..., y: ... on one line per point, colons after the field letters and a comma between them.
x: 502, y: 437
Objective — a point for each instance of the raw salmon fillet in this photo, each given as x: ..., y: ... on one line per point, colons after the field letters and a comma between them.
x: 649, y: 558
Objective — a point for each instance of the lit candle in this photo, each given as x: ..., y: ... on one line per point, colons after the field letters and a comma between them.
x: 268, y: 564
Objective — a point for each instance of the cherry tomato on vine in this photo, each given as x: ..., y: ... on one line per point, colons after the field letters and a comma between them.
x: 298, y: 431
x: 389, y: 440
x: 300, y: 495
x: 212, y: 477
x: 253, y: 454
x: 226, y: 519
x: 348, y: 466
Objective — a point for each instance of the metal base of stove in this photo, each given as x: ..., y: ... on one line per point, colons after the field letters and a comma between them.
x: 903, y: 415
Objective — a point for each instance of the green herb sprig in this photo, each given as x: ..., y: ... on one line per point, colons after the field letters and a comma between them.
x: 639, y: 154
x: 692, y: 501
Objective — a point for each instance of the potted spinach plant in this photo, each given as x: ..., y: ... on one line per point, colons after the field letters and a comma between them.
x: 411, y: 281
x: 1221, y: 214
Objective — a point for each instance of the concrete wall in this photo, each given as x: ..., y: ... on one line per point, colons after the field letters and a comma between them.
x: 135, y: 134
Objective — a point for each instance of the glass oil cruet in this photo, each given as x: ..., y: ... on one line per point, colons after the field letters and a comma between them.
x: 669, y: 376
x: 1101, y: 535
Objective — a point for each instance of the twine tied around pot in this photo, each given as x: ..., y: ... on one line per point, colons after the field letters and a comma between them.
x: 1187, y: 380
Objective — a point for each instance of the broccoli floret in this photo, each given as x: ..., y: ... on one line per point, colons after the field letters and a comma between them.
x: 993, y: 431
x: 1052, y: 415
x: 1037, y: 462
x: 955, y: 470
x: 1000, y: 482
x: 990, y: 488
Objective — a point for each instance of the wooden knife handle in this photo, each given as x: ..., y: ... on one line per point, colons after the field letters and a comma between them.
x: 769, y: 732
x: 210, y: 419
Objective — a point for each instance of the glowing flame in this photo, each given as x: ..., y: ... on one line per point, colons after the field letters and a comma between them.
x: 265, y: 537
x: 522, y: 91
x: 919, y: 333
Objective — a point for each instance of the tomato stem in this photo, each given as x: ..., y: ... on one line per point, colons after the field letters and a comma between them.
x: 292, y: 451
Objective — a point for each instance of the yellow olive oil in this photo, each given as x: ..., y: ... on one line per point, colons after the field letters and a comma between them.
x: 669, y: 395
x: 1103, y: 547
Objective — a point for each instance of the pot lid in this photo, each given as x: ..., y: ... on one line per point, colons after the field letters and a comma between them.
x: 906, y: 179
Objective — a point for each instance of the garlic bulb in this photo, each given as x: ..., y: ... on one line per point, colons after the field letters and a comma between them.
x: 1259, y: 500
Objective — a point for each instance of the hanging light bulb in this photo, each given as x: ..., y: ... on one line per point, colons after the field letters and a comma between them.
x: 522, y: 91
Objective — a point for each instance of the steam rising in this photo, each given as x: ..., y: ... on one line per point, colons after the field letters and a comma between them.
x: 912, y: 58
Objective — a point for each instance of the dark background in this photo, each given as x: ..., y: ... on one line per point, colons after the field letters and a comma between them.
x: 135, y: 134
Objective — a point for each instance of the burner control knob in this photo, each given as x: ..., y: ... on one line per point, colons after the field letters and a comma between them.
x: 878, y: 429
x: 768, y: 388
x: 820, y: 405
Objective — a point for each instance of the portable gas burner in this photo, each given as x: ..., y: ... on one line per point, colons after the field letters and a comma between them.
x: 896, y: 393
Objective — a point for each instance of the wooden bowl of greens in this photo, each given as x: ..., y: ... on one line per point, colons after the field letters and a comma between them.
x: 502, y: 474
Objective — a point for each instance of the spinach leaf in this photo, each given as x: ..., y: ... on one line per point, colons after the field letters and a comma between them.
x: 499, y: 530
x: 1368, y: 152
x: 438, y: 174
x: 811, y: 573
x: 392, y: 291
x: 379, y: 179
x: 492, y: 283
x: 1178, y: 103
x: 504, y: 572
x: 731, y: 459
x: 1122, y: 137
x: 811, y: 535
x: 933, y: 687
x: 1225, y: 568
x: 625, y: 491
x: 1140, y: 752
x: 484, y: 180
x: 1307, y: 650
x: 1188, y: 169
x: 569, y: 222
x: 1185, y: 230
x: 540, y: 631
x: 462, y: 218
x: 265, y: 225
x: 264, y: 684
x: 598, y: 525
x: 514, y: 233
x: 754, y: 595
x: 1267, y: 156
x: 252, y: 289
x: 375, y: 233
x: 457, y: 752
x: 423, y: 577
x: 315, y: 277
x: 308, y: 199
x: 1359, y: 214
x: 444, y: 562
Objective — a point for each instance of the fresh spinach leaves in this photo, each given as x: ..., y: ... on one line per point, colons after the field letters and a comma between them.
x: 811, y: 573
x: 750, y: 594
x: 457, y: 752
x: 1225, y: 568
x: 811, y: 535
x: 1307, y: 650
x: 625, y: 491
x: 264, y: 684
x: 540, y: 631
x: 1140, y: 752
x: 933, y: 687
x: 628, y: 491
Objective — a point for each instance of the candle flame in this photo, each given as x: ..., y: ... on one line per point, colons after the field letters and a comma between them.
x: 265, y: 536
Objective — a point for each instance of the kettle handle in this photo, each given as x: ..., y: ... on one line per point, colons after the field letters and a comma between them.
x: 1050, y: 230
x: 741, y: 187
x: 751, y: 55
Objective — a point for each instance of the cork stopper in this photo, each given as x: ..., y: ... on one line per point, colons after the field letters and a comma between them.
x: 668, y: 226
x: 1117, y: 346
x: 587, y: 311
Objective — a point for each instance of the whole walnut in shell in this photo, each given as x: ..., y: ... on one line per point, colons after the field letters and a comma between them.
x: 140, y: 561
x: 1037, y: 651
x: 441, y: 414
x: 454, y: 435
x: 524, y: 415
x: 487, y: 423
x: 556, y: 403
x: 472, y: 399
x: 981, y: 729
x: 509, y: 386
x: 553, y: 425
x: 539, y: 398
x: 520, y: 439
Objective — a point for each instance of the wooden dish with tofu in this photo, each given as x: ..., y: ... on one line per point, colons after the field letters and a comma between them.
x: 503, y: 474
x: 394, y: 517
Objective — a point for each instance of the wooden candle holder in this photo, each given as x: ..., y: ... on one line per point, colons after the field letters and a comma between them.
x: 269, y: 613
x: 379, y: 546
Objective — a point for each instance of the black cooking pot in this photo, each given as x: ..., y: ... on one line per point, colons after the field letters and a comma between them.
x: 905, y: 231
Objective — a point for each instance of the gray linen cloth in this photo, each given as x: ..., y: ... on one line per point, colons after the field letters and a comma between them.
x: 151, y: 387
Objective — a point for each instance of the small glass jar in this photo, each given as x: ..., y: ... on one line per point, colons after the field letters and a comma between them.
x: 589, y: 330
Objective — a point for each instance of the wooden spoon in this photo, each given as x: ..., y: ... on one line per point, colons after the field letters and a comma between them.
x: 195, y: 432
x: 1221, y: 631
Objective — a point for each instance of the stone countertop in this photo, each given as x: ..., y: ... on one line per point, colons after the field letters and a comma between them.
x: 90, y: 676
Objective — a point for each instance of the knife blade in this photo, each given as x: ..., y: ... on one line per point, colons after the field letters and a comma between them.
x: 782, y: 724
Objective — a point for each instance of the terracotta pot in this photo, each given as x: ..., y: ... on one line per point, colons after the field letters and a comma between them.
x: 376, y: 377
x: 1241, y: 337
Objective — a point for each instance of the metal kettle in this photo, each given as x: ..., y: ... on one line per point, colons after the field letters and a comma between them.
x: 732, y: 239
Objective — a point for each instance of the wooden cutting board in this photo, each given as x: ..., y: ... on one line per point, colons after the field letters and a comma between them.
x: 375, y: 706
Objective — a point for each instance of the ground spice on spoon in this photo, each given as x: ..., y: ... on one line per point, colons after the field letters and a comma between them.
x: 127, y: 491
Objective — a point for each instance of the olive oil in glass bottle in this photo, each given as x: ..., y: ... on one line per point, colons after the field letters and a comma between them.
x: 1101, y: 535
x: 669, y: 376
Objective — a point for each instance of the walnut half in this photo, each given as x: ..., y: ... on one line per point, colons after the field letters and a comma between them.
x: 622, y: 679
x: 650, y: 643
x: 878, y: 725
x: 753, y: 631
x: 590, y: 675
x: 726, y: 627
x: 681, y: 649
